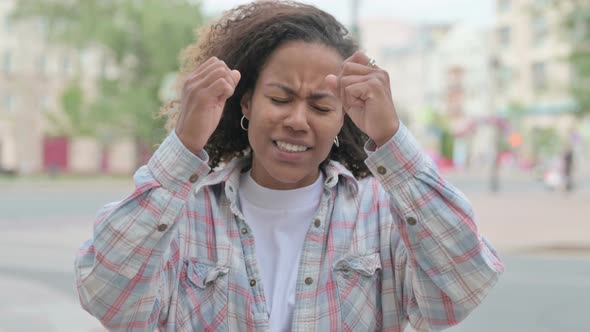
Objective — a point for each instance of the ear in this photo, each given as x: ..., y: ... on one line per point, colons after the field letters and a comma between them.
x: 246, y: 103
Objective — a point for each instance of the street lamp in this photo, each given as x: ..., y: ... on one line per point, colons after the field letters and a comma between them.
x: 495, y: 87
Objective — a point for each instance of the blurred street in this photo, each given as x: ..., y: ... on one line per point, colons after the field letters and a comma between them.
x: 543, y: 236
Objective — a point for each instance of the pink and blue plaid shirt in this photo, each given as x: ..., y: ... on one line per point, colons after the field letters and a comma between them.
x: 176, y: 255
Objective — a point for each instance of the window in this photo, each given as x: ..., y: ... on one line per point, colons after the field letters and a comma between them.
x: 42, y: 65
x: 7, y: 65
x: 7, y: 24
x: 45, y: 103
x: 539, y: 76
x: 503, y: 6
x: 504, y: 34
x: 66, y: 66
x: 580, y: 30
x: 43, y: 27
x: 539, y: 29
x: 8, y: 103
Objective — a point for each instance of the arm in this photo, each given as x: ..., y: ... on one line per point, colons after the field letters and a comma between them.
x: 125, y: 274
x: 446, y: 267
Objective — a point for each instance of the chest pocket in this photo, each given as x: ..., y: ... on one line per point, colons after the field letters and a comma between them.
x: 205, y: 288
x: 358, y: 280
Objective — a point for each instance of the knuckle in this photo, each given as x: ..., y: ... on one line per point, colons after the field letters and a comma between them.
x: 374, y: 82
x: 347, y: 66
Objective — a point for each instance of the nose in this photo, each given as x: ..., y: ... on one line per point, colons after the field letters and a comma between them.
x: 297, y: 117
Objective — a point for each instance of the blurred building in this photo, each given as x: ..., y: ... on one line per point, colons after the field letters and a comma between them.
x: 440, y: 79
x: 406, y: 52
x: 33, y: 75
x: 463, y: 73
x: 533, y: 74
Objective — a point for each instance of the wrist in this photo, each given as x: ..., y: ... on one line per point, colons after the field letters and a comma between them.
x: 189, y: 143
x: 386, y: 136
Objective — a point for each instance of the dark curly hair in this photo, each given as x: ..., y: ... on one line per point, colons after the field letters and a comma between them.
x: 244, y: 38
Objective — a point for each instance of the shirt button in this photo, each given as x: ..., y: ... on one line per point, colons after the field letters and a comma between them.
x: 317, y: 222
x: 411, y: 221
x: 381, y: 170
x: 162, y: 227
x: 244, y: 231
x: 252, y: 282
x: 193, y: 178
x: 308, y: 280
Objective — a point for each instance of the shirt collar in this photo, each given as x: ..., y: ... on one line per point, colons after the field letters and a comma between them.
x: 230, y: 176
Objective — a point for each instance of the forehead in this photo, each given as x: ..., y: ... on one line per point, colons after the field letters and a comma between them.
x: 298, y: 60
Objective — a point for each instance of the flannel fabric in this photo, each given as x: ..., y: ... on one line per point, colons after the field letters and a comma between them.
x: 396, y: 247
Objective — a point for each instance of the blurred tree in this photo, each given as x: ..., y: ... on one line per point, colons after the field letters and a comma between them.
x: 142, y: 39
x: 74, y: 120
x: 577, y: 31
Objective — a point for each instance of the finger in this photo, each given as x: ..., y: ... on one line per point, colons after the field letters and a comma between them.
x: 196, y: 71
x: 210, y: 65
x: 236, y: 75
x: 200, y: 89
x: 221, y: 88
x: 353, y: 79
x: 332, y: 84
x: 214, y: 75
x: 353, y: 68
x: 358, y: 92
x: 359, y: 57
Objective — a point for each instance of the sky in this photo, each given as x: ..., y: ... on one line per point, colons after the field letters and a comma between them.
x: 473, y: 12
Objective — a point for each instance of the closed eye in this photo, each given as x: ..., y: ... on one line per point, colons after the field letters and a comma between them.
x: 321, y: 109
x: 279, y: 101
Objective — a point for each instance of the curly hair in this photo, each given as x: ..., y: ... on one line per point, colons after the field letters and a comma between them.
x: 244, y: 38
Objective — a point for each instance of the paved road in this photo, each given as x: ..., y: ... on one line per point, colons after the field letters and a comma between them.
x: 543, y: 236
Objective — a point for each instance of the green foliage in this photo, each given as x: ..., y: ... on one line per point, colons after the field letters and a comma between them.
x: 142, y: 38
x: 546, y: 142
x: 75, y: 120
x: 577, y: 32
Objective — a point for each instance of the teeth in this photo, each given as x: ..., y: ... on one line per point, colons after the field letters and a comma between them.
x: 290, y: 147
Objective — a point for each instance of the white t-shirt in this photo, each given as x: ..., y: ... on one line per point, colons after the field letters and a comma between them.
x: 279, y: 220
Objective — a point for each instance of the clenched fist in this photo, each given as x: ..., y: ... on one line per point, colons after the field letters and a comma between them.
x: 366, y: 97
x: 202, y: 101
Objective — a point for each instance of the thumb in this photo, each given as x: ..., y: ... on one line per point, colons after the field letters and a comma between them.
x: 236, y: 77
x: 332, y: 83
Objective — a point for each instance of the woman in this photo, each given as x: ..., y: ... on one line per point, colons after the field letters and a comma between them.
x: 297, y: 229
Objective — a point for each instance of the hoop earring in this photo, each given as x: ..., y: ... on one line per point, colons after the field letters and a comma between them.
x: 242, y: 123
x: 336, y: 142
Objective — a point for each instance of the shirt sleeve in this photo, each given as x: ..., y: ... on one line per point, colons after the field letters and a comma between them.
x: 448, y: 267
x: 125, y: 273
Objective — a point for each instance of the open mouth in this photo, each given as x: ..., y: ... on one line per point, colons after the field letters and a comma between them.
x: 292, y: 148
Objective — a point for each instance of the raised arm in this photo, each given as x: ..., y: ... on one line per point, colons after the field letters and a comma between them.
x: 440, y: 267
x: 444, y: 266
x: 127, y: 272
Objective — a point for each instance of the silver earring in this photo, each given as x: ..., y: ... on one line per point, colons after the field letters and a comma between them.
x: 242, y: 123
x: 336, y: 142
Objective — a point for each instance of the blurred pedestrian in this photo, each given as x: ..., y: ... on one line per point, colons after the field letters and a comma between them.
x: 301, y: 226
x: 568, y: 164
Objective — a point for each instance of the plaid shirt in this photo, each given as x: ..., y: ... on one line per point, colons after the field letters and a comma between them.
x: 400, y: 246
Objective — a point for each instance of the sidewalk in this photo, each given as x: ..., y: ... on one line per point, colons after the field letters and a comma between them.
x: 535, y: 222
x: 29, y: 306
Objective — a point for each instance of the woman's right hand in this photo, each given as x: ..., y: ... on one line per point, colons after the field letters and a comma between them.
x: 203, y: 98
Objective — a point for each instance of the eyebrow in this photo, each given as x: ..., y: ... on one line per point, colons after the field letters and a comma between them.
x: 313, y: 96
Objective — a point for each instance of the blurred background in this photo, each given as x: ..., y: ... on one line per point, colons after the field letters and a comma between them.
x: 496, y: 91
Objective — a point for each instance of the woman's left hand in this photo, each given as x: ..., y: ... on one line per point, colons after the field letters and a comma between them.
x: 365, y: 94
